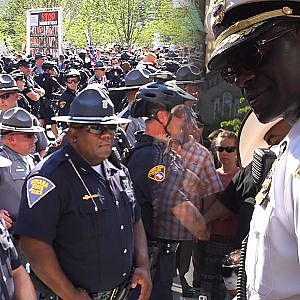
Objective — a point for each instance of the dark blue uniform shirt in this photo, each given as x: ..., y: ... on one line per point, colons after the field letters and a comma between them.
x: 94, y: 248
x: 147, y: 154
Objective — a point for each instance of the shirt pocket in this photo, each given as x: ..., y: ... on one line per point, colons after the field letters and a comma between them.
x: 258, y: 262
x: 128, y: 198
x: 94, y: 222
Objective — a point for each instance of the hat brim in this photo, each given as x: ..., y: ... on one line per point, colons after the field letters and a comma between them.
x: 11, y: 89
x: 189, y: 81
x: 125, y: 88
x: 218, y: 57
x: 251, y: 136
x: 34, y: 129
x: 92, y: 120
x: 5, y: 162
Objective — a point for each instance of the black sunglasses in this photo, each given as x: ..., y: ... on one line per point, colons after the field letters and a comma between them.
x: 6, y: 96
x: 98, y: 128
x: 227, y: 149
x: 249, y: 57
x: 72, y: 81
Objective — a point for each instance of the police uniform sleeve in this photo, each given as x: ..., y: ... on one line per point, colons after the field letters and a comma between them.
x: 39, y: 209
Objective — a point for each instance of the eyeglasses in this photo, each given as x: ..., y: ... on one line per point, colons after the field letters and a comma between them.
x: 98, y: 128
x: 28, y: 135
x: 72, y: 81
x: 227, y: 149
x: 249, y: 57
x: 6, y: 96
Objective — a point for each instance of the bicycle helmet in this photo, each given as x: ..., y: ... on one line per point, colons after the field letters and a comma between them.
x: 156, y: 96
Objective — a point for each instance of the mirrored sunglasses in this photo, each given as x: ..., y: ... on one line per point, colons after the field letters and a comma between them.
x: 98, y: 128
x: 72, y: 80
x: 101, y: 128
x: 227, y: 149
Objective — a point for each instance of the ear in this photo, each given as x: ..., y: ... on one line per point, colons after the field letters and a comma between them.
x: 73, y: 135
x: 163, y: 116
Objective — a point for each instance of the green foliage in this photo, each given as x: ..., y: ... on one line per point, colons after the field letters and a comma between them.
x: 235, y: 124
x: 107, y: 21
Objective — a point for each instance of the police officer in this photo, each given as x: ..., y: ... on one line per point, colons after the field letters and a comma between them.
x: 257, y: 49
x: 72, y: 80
x: 14, y: 281
x: 18, y: 134
x: 155, y: 170
x: 133, y: 81
x: 79, y: 221
x: 47, y: 80
x: 189, y: 78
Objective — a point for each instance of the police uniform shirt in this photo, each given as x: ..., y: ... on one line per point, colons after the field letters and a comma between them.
x: 273, y: 251
x: 48, y: 83
x: 136, y: 124
x: 12, y: 179
x: 147, y: 172
x: 9, y: 262
x: 94, y: 248
x: 65, y: 101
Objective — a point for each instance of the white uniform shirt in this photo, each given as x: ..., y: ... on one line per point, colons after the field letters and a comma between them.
x: 273, y: 251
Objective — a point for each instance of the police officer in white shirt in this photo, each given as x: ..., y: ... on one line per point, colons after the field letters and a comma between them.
x: 257, y: 49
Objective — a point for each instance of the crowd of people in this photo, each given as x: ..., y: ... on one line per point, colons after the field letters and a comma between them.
x: 126, y: 196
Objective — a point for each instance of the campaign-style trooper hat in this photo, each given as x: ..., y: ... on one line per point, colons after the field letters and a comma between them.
x: 251, y: 136
x: 92, y: 105
x: 188, y: 75
x: 20, y: 120
x: 7, y: 83
x: 234, y: 23
x: 134, y: 80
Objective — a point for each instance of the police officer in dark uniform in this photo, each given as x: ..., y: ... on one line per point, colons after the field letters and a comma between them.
x: 72, y: 80
x: 47, y: 80
x: 79, y: 222
x: 150, y: 167
x: 14, y: 281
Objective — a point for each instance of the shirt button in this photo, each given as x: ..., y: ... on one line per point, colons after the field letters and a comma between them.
x: 124, y: 274
x: 125, y: 250
x: 122, y: 227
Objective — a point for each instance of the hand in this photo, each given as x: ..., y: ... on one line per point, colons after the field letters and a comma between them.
x: 192, y: 184
x: 80, y: 295
x: 204, y: 234
x: 6, y: 217
x: 142, y: 277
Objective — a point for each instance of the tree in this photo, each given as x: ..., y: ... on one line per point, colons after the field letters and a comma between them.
x: 107, y: 21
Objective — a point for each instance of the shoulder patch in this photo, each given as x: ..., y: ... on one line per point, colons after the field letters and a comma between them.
x: 297, y: 173
x: 157, y: 173
x: 37, y: 188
